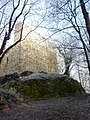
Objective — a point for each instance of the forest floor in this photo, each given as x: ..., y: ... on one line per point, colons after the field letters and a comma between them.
x: 68, y: 108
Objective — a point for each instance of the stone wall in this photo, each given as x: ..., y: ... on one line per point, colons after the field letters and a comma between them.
x: 33, y: 53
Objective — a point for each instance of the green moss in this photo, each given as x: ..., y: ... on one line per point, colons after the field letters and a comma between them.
x: 45, y: 89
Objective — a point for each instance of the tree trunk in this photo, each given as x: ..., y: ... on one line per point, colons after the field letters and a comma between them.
x: 86, y: 17
x: 67, y: 71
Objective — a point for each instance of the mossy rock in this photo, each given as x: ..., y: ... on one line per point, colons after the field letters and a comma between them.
x: 45, y: 89
x: 26, y: 73
x: 9, y: 77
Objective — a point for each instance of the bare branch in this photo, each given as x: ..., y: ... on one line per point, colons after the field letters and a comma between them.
x: 4, y: 4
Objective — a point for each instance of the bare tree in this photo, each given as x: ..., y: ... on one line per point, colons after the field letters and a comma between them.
x: 68, y: 16
x: 67, y: 47
x: 19, y: 10
x: 86, y: 17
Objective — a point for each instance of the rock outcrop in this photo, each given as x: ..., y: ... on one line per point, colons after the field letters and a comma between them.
x: 6, y: 99
x: 9, y: 77
x: 26, y: 73
x: 42, y: 85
